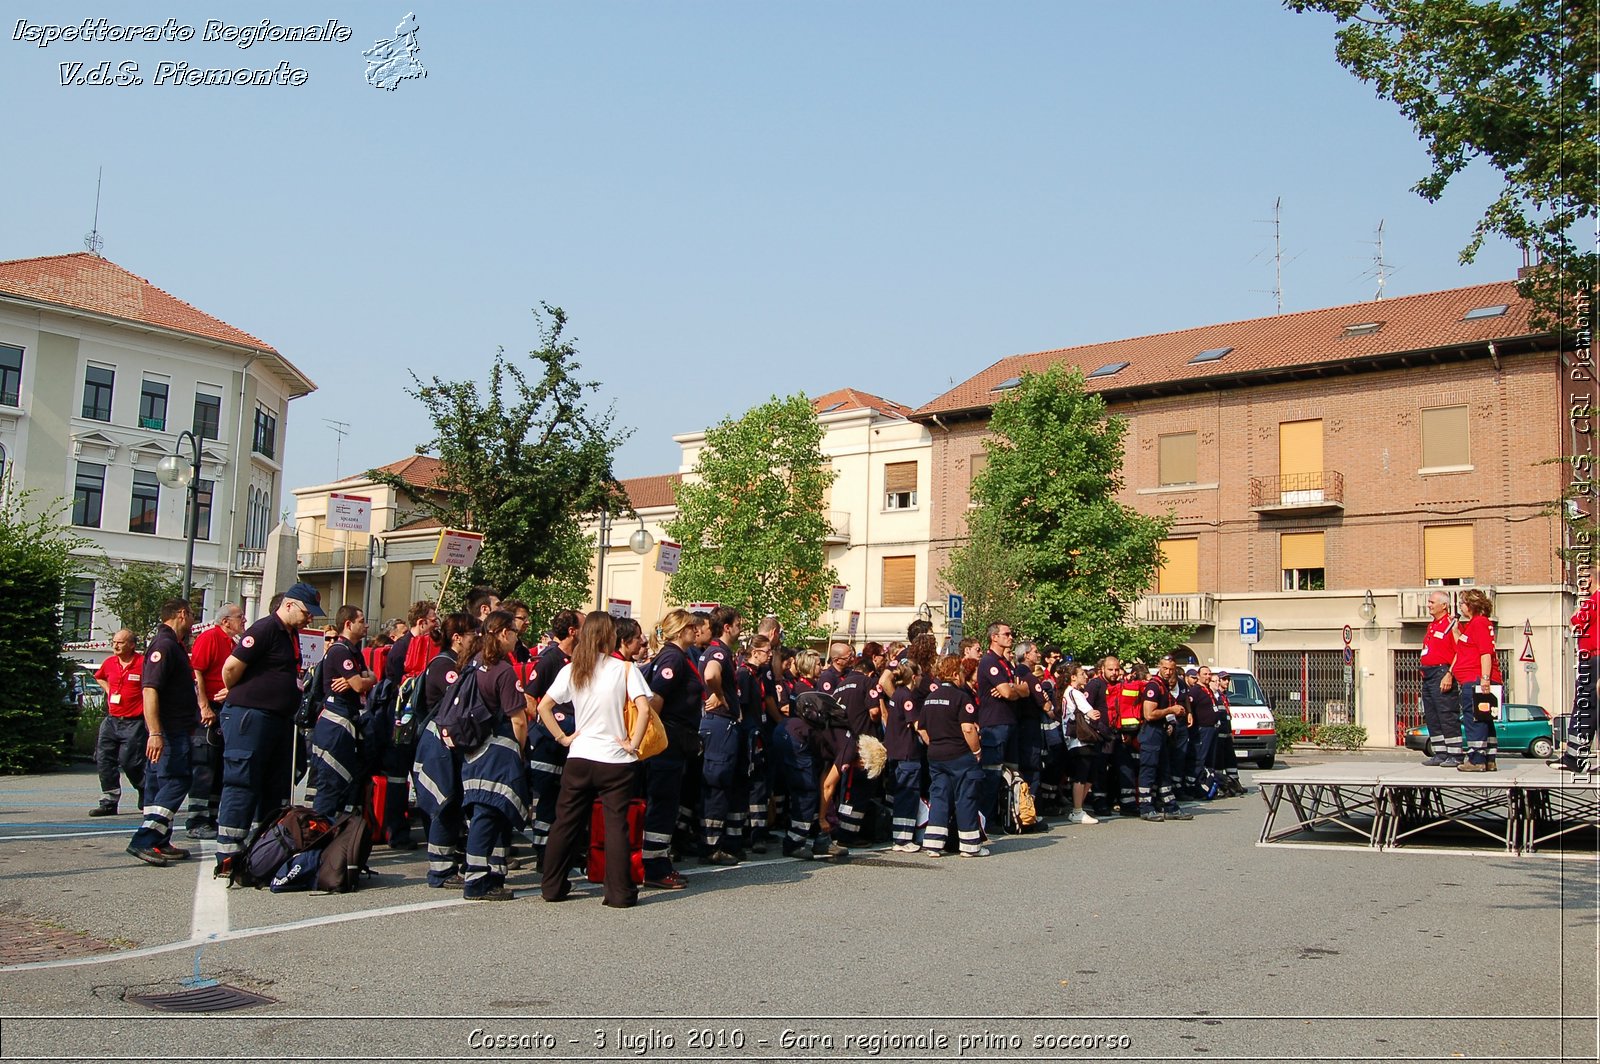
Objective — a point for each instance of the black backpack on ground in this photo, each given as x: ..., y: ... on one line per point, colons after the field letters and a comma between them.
x: 293, y: 830
x: 344, y: 856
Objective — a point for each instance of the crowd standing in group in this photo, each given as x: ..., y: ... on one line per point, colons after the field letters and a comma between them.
x: 760, y: 743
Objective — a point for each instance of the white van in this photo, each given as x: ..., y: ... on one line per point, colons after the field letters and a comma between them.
x: 1255, y: 735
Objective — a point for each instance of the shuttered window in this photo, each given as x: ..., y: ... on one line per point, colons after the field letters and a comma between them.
x: 1176, y: 461
x: 1445, y: 437
x: 900, y: 581
x: 975, y: 467
x: 1302, y: 550
x: 1180, y: 567
x: 899, y: 485
x: 1447, y: 554
x: 1300, y: 448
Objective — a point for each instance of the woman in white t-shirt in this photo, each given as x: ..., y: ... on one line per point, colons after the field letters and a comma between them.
x: 600, y: 756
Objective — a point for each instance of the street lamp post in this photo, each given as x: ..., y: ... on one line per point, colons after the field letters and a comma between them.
x: 377, y: 567
x: 639, y: 542
x: 174, y: 473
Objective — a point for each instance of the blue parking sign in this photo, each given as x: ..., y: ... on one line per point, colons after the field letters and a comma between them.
x: 955, y: 608
x: 1250, y: 629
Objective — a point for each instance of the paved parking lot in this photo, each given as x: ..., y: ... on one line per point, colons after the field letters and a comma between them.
x: 1184, y: 940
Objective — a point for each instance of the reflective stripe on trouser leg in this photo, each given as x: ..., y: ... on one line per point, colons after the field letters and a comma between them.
x: 487, y: 835
x: 166, y: 785
x: 663, y: 778
x: 546, y: 761
x: 907, y: 776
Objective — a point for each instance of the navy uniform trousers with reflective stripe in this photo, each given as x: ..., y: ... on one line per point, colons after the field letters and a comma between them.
x: 494, y: 797
x: 725, y: 773
x: 437, y: 775
x: 336, y: 770
x: 166, y: 783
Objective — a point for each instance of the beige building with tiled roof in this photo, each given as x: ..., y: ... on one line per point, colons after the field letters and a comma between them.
x: 1312, y: 460
x: 100, y: 372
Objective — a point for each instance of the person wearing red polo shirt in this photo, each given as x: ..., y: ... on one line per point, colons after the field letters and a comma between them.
x: 119, y: 749
x: 1577, y: 757
x: 212, y: 648
x: 1477, y: 668
x: 1441, y: 704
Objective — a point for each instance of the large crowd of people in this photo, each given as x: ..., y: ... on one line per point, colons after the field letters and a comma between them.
x: 761, y: 744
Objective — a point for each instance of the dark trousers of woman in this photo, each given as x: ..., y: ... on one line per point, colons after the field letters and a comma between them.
x: 582, y: 781
x: 1483, y: 745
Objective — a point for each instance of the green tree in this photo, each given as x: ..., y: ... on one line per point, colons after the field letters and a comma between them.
x: 522, y: 461
x: 751, y: 523
x: 134, y: 591
x: 1508, y: 81
x: 988, y: 575
x: 36, y: 561
x: 1048, y: 512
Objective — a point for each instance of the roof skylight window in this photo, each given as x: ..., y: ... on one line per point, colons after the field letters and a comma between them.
x: 1007, y: 384
x: 1210, y: 356
x: 1366, y: 328
x: 1110, y: 368
x: 1485, y: 312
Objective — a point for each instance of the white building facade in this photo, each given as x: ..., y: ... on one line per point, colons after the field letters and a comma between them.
x: 100, y: 373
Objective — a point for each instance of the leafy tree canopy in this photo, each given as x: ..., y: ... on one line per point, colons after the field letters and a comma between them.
x: 522, y: 461
x: 751, y: 521
x: 134, y: 591
x: 1510, y: 81
x: 1049, y: 539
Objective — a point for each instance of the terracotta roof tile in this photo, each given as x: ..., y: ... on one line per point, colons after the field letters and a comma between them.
x: 417, y: 524
x: 645, y: 493
x: 88, y: 282
x: 418, y: 470
x: 1308, y: 338
x: 851, y: 399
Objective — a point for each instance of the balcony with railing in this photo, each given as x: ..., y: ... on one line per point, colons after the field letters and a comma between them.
x: 1414, y: 602
x: 838, y: 529
x: 333, y: 561
x: 1298, y: 494
x: 1196, y: 609
x: 249, y: 560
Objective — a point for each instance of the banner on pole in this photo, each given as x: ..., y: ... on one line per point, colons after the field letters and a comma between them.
x: 457, y: 548
x: 836, y: 597
x: 349, y: 513
x: 667, y: 559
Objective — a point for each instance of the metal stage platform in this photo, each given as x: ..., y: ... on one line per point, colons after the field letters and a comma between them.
x: 1525, y: 808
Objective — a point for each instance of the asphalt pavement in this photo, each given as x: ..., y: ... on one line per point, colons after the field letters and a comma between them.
x: 1123, y: 940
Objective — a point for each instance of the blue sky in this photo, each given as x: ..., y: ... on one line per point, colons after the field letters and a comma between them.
x: 728, y: 198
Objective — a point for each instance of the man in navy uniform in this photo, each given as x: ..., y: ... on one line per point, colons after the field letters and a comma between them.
x: 723, y: 766
x: 547, y: 757
x: 262, y: 677
x: 1161, y: 711
x: 171, y: 712
x: 998, y: 691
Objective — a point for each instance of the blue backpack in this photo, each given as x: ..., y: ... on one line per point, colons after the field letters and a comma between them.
x: 464, y: 719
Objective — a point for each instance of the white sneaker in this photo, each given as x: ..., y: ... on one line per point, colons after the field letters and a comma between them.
x: 905, y: 847
x: 982, y: 851
x: 1078, y: 816
x: 933, y: 853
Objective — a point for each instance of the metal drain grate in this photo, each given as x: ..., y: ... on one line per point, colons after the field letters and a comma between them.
x: 219, y: 998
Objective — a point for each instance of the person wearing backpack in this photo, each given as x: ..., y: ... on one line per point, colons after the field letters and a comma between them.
x: 338, y: 770
x: 547, y: 754
x: 810, y: 752
x: 494, y: 783
x: 437, y: 768
x: 601, y: 755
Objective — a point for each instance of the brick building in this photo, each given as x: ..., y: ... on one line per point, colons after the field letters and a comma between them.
x: 1319, y: 461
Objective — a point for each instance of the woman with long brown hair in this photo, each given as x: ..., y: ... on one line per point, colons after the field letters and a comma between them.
x: 494, y: 783
x: 601, y: 755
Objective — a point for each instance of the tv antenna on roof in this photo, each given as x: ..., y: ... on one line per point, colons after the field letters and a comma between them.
x: 1277, y: 253
x: 1380, y: 268
x: 341, y: 429
x: 91, y: 239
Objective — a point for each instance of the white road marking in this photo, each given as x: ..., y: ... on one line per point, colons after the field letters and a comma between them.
x: 66, y: 835
x: 210, y: 898
x: 225, y: 935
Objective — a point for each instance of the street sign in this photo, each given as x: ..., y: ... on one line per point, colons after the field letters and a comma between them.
x: 955, y: 608
x: 457, y: 548
x: 667, y: 559
x: 836, y: 597
x: 855, y: 622
x: 1527, y: 651
x: 1249, y: 629
x: 1347, y: 634
x: 957, y: 629
x: 1349, y: 655
x: 349, y: 513
x: 702, y: 607
x: 1349, y: 676
x: 313, y: 648
x: 619, y: 607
